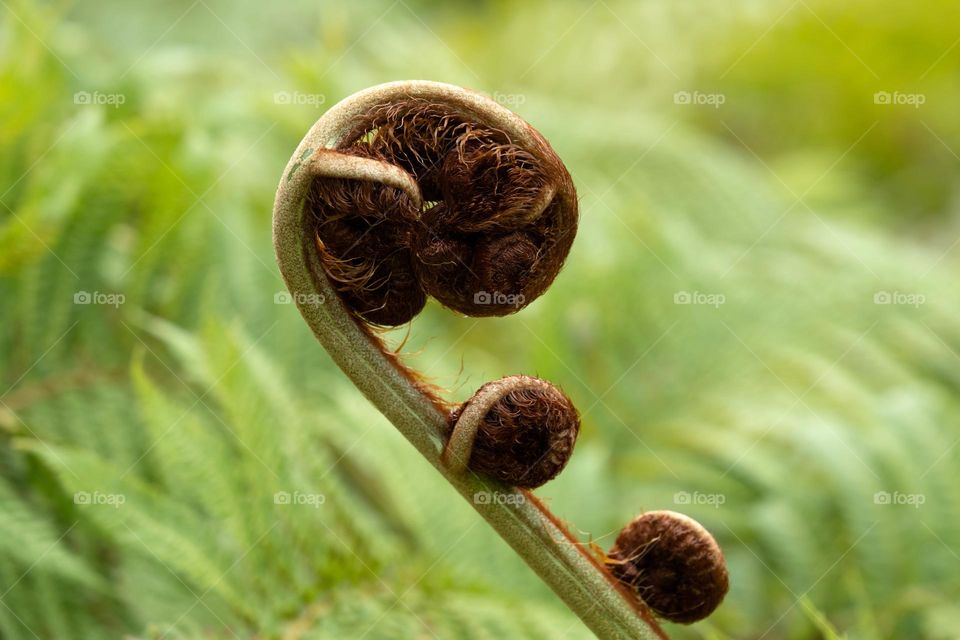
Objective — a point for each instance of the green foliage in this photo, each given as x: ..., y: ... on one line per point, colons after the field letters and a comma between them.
x: 148, y: 447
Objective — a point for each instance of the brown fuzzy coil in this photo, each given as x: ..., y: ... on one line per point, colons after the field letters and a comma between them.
x: 489, y: 238
x: 673, y: 563
x: 527, y: 437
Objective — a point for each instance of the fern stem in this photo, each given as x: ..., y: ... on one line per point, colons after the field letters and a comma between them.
x: 608, y: 609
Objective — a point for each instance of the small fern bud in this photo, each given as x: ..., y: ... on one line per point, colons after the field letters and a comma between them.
x: 519, y: 429
x: 673, y: 563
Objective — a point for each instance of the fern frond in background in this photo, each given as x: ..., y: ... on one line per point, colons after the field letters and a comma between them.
x: 757, y: 320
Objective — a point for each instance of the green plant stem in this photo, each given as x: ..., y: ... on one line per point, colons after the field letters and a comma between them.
x: 608, y: 609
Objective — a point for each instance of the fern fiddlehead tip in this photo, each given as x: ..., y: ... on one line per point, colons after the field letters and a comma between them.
x: 673, y: 563
x: 523, y: 431
x: 491, y: 227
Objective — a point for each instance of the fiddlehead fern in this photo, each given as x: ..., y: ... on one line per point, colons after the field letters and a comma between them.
x: 673, y: 563
x: 482, y: 223
x: 519, y: 430
x: 411, y: 189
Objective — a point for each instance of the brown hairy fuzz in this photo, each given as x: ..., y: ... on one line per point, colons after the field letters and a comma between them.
x: 488, y: 239
x: 527, y: 436
x: 673, y: 563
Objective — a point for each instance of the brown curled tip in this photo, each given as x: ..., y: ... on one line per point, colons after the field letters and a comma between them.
x: 527, y: 436
x: 493, y: 227
x: 673, y: 563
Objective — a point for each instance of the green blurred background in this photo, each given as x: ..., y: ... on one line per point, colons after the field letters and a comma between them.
x: 757, y: 321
